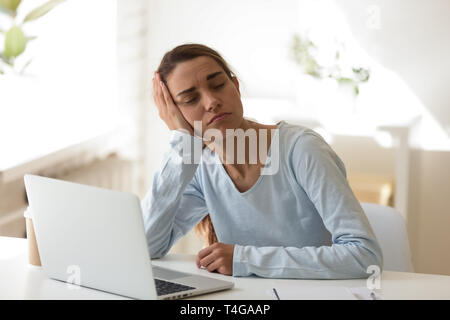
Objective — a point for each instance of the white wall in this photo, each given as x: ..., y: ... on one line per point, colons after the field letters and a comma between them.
x: 429, y: 213
x: 249, y: 34
x: 412, y: 39
x: 133, y: 79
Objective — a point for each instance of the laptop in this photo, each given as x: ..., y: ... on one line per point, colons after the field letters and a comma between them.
x: 95, y: 238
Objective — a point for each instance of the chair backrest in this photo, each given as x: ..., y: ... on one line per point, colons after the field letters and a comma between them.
x: 390, y: 230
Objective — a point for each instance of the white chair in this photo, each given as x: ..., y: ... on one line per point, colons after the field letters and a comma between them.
x: 390, y: 230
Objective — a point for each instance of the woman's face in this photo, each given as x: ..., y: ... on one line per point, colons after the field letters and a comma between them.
x: 202, y: 90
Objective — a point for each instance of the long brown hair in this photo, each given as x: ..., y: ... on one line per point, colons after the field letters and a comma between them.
x: 170, y: 60
x: 187, y: 52
x: 205, y: 229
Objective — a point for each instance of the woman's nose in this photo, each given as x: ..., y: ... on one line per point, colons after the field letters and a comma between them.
x: 211, y: 102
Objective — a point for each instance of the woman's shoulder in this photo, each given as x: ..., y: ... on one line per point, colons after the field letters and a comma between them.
x: 304, y: 145
x: 298, y: 136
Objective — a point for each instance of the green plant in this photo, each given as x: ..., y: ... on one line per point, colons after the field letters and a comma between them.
x: 304, y: 53
x: 15, y: 40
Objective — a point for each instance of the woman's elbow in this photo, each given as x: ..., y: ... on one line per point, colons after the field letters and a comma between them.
x: 158, y: 253
x: 372, y: 262
x: 159, y: 245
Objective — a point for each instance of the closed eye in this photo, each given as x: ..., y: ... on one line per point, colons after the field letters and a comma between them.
x: 193, y: 100
x: 190, y: 101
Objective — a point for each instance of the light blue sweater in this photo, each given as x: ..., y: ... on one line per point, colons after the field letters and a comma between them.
x: 301, y: 222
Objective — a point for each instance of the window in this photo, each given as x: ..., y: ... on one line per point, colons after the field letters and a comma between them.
x: 69, y: 91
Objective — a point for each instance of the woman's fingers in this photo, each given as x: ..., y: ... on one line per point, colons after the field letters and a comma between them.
x: 206, y: 261
x: 210, y: 262
x: 164, y: 100
x: 166, y: 95
x: 172, y: 110
x: 156, y: 95
x: 206, y: 256
x: 217, y: 257
x: 213, y: 266
x: 168, y: 110
x: 206, y: 251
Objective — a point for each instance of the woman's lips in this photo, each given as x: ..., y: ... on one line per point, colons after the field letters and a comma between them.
x: 219, y: 117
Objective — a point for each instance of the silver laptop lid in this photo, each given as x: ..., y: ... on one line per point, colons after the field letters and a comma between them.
x: 82, y: 229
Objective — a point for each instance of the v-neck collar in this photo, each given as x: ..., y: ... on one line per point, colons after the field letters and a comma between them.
x: 260, y: 178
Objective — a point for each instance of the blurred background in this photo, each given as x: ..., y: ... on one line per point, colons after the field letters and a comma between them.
x: 370, y: 76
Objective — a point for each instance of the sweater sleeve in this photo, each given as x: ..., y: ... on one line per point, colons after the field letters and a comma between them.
x: 175, y: 202
x: 320, y: 172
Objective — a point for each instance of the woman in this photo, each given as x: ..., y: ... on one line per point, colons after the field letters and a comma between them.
x: 300, y: 221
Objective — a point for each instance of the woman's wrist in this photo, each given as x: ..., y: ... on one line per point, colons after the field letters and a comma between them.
x: 187, y: 147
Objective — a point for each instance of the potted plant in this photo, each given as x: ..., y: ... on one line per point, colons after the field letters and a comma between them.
x: 304, y: 53
x: 13, y: 37
x: 329, y: 83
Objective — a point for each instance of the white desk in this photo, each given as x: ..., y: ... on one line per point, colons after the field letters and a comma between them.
x: 19, y: 280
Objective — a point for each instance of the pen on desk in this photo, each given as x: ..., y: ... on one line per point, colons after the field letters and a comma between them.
x: 276, y: 293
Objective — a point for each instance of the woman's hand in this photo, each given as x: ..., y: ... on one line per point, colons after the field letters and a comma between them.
x: 217, y: 257
x: 167, y: 109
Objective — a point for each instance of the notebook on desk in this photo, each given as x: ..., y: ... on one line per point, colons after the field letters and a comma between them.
x: 95, y: 238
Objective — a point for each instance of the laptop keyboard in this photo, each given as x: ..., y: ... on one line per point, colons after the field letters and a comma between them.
x: 167, y: 287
